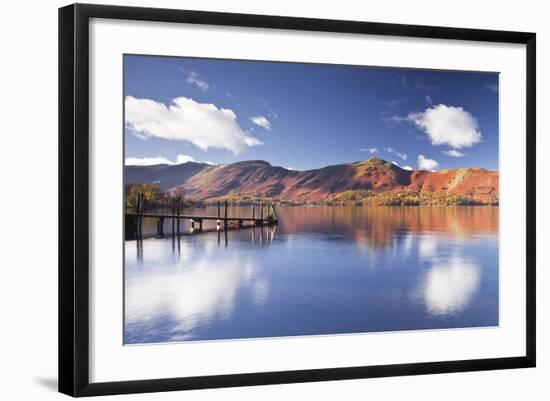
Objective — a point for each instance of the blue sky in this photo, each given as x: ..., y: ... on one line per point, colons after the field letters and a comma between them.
x: 305, y: 116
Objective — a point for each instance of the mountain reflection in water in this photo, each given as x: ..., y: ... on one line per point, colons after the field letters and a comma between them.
x: 323, y: 270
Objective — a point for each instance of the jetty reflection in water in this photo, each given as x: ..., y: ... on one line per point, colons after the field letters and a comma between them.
x: 322, y: 270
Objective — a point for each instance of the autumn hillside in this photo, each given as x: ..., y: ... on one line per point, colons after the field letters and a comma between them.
x: 373, y: 181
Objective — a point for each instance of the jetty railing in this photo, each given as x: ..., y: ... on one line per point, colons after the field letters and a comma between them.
x: 134, y: 220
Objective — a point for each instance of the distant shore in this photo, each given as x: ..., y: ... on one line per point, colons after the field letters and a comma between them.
x: 364, y: 198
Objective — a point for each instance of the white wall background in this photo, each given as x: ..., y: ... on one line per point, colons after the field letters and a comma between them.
x: 28, y: 172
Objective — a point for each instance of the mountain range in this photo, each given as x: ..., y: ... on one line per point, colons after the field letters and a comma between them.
x: 370, y: 181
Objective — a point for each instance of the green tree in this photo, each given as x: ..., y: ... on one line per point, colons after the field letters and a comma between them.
x: 152, y: 193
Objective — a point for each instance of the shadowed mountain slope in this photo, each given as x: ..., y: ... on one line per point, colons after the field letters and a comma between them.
x: 166, y: 175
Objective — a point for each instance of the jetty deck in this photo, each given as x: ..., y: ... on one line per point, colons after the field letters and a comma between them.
x: 133, y: 220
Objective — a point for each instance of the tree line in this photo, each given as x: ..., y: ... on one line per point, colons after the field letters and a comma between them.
x: 154, y: 196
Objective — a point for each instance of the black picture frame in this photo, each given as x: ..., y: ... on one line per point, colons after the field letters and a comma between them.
x: 74, y: 200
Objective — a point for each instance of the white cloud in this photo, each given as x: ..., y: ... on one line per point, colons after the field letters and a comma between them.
x: 146, y: 161
x: 492, y: 87
x: 184, y: 159
x: 403, y: 167
x: 370, y: 150
x: 270, y: 112
x: 402, y: 156
x: 150, y: 161
x: 402, y: 78
x: 447, y: 125
x: 202, y: 124
x: 427, y: 164
x: 261, y: 121
x: 454, y: 153
x: 395, y: 119
x: 423, y: 86
x: 429, y: 100
x: 393, y: 102
x: 194, y: 79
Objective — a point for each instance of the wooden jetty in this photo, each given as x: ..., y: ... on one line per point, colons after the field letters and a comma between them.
x: 134, y: 220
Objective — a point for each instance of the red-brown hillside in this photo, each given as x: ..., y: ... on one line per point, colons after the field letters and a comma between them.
x: 474, y: 183
x: 374, y: 175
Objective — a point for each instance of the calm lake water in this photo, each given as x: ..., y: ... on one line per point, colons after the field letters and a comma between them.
x: 322, y: 270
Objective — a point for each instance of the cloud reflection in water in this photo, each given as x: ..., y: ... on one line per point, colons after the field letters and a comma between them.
x: 188, y: 295
x: 450, y: 283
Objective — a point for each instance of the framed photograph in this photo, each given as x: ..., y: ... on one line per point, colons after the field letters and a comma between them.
x: 249, y: 199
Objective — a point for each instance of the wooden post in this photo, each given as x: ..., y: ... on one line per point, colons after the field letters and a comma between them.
x: 261, y: 234
x: 136, y: 209
x: 219, y: 214
x: 173, y: 212
x: 161, y: 226
x: 253, y: 213
x: 200, y: 224
x: 178, y: 206
x: 274, y: 212
x: 141, y: 207
x: 261, y: 213
x: 225, y: 218
x: 192, y: 224
x: 138, y: 198
x: 139, y: 212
